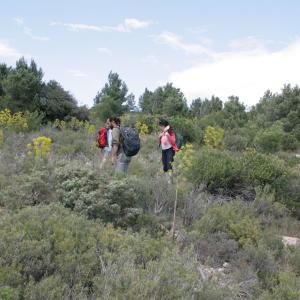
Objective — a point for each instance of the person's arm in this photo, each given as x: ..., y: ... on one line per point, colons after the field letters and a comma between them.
x: 115, y: 144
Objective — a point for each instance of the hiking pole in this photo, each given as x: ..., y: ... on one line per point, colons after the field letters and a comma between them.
x: 175, y: 209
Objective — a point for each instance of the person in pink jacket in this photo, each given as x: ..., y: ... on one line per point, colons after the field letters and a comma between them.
x: 167, y: 141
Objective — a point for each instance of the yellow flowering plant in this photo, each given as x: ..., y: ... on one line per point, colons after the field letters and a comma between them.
x: 15, y: 121
x: 141, y: 128
x: 40, y: 147
x: 213, y: 137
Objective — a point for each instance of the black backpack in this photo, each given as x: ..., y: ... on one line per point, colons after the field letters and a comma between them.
x: 130, y: 141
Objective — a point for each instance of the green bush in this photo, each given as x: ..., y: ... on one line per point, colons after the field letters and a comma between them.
x: 50, y: 251
x: 28, y: 189
x: 215, y: 168
x: 287, y: 289
x: 289, y: 142
x: 261, y: 169
x: 269, y: 140
x: 188, y: 129
x: 235, y: 219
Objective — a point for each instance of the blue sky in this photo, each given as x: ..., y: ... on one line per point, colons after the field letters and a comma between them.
x: 203, y: 47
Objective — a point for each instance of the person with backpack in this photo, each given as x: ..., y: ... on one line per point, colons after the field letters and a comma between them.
x: 167, y: 142
x: 104, y: 140
x: 125, y: 144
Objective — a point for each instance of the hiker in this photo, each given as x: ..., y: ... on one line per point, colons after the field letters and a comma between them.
x: 105, y: 141
x: 167, y: 141
x: 119, y: 158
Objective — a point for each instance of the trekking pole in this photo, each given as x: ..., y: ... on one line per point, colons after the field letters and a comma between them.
x: 175, y: 209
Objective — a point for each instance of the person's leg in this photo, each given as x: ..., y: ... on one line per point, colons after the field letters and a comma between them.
x: 122, y: 163
x: 169, y: 159
x: 164, y: 159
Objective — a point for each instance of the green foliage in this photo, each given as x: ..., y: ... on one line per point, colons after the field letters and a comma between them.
x: 215, y: 168
x: 187, y: 128
x: 28, y: 190
x: 287, y: 289
x: 166, y: 100
x: 51, y: 251
x: 204, y: 107
x: 113, y: 100
x: 234, y: 219
x: 22, y: 90
x: 261, y: 169
x: 269, y: 140
x: 213, y: 137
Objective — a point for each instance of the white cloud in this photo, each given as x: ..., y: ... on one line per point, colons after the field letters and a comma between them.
x: 247, y: 74
x: 7, y: 52
x: 132, y: 23
x: 127, y: 26
x: 104, y: 50
x: 77, y: 73
x: 28, y: 31
x: 176, y: 42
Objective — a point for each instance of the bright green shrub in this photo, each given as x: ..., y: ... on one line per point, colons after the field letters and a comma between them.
x: 215, y: 168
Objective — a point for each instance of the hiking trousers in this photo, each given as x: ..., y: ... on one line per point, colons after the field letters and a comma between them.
x: 167, y: 159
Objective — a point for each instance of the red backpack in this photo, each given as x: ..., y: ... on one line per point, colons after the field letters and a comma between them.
x: 102, y: 138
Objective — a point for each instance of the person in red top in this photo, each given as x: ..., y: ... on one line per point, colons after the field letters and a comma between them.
x: 167, y: 141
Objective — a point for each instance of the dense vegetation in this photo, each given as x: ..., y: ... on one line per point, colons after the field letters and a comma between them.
x: 70, y: 230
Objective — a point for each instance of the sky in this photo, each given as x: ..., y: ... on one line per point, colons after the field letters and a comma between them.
x: 205, y: 48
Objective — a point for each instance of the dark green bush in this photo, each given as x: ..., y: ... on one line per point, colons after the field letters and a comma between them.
x: 289, y: 142
x: 215, y: 168
x: 188, y: 129
x: 261, y: 169
x: 269, y: 140
x: 235, y: 219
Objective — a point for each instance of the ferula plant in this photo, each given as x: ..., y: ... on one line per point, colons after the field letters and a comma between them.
x: 142, y: 128
x: 15, y: 121
x: 40, y: 147
x: 213, y: 137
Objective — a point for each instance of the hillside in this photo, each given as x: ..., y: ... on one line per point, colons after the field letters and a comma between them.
x: 224, y: 225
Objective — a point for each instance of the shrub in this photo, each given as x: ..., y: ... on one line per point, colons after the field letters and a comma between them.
x: 40, y: 147
x: 188, y: 129
x: 13, y: 121
x: 235, y: 142
x: 213, y: 137
x: 234, y: 219
x: 142, y: 128
x: 28, y: 189
x: 262, y: 260
x: 119, y: 201
x: 287, y: 289
x: 215, y: 168
x: 48, y: 250
x: 261, y: 169
x: 269, y: 140
x: 289, y: 142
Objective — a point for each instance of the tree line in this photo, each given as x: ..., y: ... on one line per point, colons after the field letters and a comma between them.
x: 22, y: 88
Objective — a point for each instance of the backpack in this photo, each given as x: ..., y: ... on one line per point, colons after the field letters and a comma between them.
x: 179, y: 140
x: 130, y: 141
x: 102, y: 138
